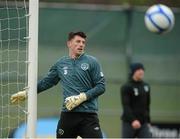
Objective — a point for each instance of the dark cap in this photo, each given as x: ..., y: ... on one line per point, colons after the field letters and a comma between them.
x: 134, y: 67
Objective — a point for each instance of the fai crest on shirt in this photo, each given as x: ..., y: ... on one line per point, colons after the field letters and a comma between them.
x: 84, y: 66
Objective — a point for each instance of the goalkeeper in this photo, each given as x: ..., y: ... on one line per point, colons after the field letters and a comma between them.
x: 83, y: 81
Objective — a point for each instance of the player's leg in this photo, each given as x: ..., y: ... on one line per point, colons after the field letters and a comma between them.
x: 127, y: 130
x: 90, y: 127
x: 144, y: 131
x: 65, y: 127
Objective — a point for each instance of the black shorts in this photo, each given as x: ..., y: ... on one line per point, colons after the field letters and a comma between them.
x: 73, y: 124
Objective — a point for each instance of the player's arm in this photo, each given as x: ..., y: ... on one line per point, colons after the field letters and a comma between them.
x: 126, y: 103
x: 47, y: 82
x: 98, y: 81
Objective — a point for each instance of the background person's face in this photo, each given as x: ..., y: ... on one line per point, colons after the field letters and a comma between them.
x: 76, y: 45
x: 138, y: 74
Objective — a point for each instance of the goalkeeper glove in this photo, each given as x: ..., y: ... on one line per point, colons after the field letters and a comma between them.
x: 74, y: 101
x: 18, y: 97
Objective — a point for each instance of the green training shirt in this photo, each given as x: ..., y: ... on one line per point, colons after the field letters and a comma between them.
x: 83, y: 74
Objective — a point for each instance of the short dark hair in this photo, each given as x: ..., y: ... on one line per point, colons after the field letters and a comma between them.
x: 73, y: 34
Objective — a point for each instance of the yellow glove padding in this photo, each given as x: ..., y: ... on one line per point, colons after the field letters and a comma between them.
x: 18, y: 97
x: 74, y: 101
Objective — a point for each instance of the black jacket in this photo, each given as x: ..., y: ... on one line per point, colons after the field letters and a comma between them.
x: 135, y: 97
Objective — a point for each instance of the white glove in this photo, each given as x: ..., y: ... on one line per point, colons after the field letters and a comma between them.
x: 74, y: 101
x: 18, y: 97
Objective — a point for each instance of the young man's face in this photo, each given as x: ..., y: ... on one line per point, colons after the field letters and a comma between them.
x: 76, y: 45
x: 138, y: 74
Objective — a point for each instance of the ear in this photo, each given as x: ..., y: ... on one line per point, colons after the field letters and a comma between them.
x: 69, y: 44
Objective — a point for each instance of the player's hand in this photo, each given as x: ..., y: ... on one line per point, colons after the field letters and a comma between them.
x: 136, y: 124
x: 74, y: 101
x: 18, y: 97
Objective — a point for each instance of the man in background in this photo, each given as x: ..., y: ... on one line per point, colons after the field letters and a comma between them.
x: 135, y: 98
